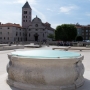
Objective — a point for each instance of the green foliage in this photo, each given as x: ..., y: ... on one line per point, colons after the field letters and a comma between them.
x: 79, y: 38
x: 65, y: 32
x: 51, y: 36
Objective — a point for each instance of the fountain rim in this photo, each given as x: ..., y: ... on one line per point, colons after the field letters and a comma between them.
x: 37, y: 54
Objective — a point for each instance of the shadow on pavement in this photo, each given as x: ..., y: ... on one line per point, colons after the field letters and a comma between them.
x: 86, y: 85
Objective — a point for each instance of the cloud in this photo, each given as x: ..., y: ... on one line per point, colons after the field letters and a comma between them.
x: 42, y: 16
x: 67, y: 9
x: 49, y: 9
x: 87, y: 14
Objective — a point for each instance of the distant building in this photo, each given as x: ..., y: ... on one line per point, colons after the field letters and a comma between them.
x: 31, y: 30
x: 36, y: 29
x: 84, y: 31
x: 11, y: 33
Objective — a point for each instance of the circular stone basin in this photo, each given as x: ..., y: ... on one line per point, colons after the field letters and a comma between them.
x: 45, y: 70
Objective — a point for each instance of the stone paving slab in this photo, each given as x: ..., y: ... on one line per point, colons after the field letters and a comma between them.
x: 4, y: 60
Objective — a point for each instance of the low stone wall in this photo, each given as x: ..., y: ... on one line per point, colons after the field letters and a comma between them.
x: 11, y: 47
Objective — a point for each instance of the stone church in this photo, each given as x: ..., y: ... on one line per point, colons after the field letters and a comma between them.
x: 31, y: 29
x: 35, y: 28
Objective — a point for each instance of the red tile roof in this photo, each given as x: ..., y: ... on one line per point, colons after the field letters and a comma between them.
x: 10, y: 25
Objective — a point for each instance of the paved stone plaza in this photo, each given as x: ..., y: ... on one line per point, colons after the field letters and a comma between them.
x: 4, y: 60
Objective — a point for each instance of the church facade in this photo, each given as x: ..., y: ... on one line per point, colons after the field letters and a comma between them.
x: 36, y: 29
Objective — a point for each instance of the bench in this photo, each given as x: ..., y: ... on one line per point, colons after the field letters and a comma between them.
x: 69, y: 48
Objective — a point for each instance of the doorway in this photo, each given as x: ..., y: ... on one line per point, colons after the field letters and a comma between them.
x: 36, y: 36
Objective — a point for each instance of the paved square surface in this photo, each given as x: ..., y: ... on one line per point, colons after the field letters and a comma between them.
x: 4, y: 60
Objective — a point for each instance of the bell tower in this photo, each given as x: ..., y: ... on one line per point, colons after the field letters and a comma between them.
x: 26, y: 15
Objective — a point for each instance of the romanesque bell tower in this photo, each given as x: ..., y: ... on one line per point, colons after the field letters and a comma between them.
x: 26, y: 15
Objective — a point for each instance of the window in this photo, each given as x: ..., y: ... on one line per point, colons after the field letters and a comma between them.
x: 86, y: 30
x: 0, y: 37
x: 8, y: 33
x: 26, y: 20
x: 8, y: 28
x: 36, y: 25
x: 36, y: 29
x: 29, y: 34
x: 25, y: 12
x: 43, y: 34
x: 29, y: 29
x: 0, y: 32
x: 4, y: 37
x: 26, y: 16
x: 16, y: 33
x: 18, y: 38
x: 0, y: 28
x: 23, y: 16
x: 23, y: 20
x: 8, y: 38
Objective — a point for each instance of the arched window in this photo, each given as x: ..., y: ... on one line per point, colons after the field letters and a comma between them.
x: 29, y: 34
x: 36, y: 25
x: 43, y: 34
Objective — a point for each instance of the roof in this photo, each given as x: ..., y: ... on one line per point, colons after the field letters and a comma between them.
x: 26, y: 5
x: 10, y: 25
x: 36, y: 19
x: 48, y: 26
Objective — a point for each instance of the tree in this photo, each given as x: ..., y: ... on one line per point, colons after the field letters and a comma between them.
x: 51, y: 36
x: 65, y: 32
x: 79, y: 38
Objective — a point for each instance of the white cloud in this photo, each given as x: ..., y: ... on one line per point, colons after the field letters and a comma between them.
x: 49, y: 9
x: 42, y: 16
x: 87, y: 14
x: 67, y: 9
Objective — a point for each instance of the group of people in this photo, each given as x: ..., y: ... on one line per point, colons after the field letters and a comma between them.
x: 64, y: 43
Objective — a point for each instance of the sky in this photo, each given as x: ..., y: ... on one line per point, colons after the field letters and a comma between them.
x: 55, y: 12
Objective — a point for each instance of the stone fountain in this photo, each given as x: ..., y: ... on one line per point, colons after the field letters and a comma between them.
x: 45, y: 70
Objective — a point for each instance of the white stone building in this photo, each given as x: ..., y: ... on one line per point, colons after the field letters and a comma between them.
x: 31, y: 30
x: 11, y: 33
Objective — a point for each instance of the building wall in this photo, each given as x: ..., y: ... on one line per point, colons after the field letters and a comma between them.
x: 84, y: 31
x: 11, y: 34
